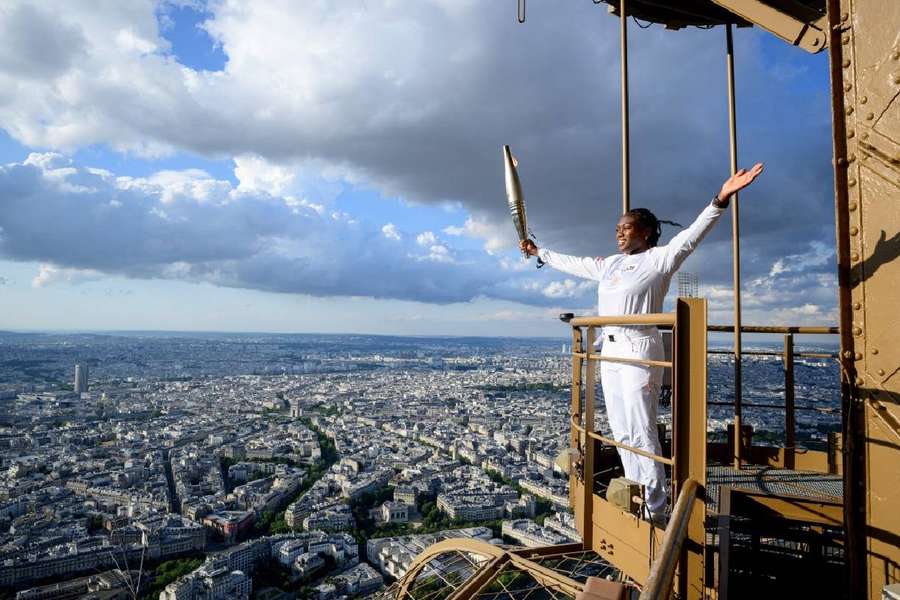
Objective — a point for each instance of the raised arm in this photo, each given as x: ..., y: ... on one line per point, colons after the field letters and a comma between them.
x: 588, y: 268
x: 670, y: 256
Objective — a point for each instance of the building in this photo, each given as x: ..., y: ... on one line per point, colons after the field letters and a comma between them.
x: 81, y: 378
x: 530, y: 534
x: 336, y: 517
x: 393, y: 555
x: 230, y: 523
x: 394, y: 512
x: 405, y: 494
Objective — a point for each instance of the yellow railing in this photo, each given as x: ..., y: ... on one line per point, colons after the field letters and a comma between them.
x: 622, y: 538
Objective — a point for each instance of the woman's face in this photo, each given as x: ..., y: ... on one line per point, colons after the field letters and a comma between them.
x: 631, y: 237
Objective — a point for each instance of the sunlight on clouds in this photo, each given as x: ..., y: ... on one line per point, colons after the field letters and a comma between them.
x: 390, y: 232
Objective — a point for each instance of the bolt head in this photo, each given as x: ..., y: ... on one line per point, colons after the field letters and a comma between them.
x: 857, y: 331
x: 845, y: 63
x: 870, y: 116
x: 852, y: 206
x: 857, y: 305
x: 858, y: 356
x: 874, y: 350
x: 854, y: 257
x: 881, y: 372
x: 859, y: 381
x: 854, y: 231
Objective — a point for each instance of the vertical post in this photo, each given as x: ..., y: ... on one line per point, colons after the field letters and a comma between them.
x: 790, y: 423
x: 736, y: 251
x: 689, y: 435
x: 575, y: 413
x: 589, y: 393
x: 626, y: 160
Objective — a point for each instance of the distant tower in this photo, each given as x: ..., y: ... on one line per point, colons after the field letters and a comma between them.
x: 688, y: 285
x: 81, y: 379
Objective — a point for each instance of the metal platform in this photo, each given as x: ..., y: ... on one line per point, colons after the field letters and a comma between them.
x: 771, y: 480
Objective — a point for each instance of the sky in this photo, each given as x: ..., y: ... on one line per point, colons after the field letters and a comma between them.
x: 336, y: 166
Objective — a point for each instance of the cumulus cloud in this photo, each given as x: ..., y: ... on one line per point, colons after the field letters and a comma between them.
x: 426, y: 238
x: 416, y: 100
x: 390, y: 232
x: 408, y: 99
x: 49, y: 274
x: 189, y: 226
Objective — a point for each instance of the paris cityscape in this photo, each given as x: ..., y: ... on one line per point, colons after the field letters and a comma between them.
x: 166, y: 465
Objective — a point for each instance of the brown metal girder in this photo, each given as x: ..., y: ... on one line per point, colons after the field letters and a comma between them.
x: 546, y: 576
x: 479, y: 580
x: 544, y: 552
x: 794, y: 508
x: 450, y: 545
x: 809, y: 36
x: 689, y: 424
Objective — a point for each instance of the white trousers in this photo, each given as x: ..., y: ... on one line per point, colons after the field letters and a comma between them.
x: 631, y: 393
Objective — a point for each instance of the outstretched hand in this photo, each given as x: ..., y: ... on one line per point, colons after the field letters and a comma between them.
x: 528, y: 247
x: 739, y: 181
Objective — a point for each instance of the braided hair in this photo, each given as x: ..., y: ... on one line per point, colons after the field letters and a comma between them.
x: 648, y: 221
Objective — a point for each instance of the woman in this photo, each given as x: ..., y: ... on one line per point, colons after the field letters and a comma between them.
x: 635, y: 282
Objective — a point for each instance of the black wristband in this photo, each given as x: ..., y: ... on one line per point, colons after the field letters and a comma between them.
x: 719, y: 203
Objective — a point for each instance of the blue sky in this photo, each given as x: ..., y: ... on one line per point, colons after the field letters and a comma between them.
x: 336, y: 168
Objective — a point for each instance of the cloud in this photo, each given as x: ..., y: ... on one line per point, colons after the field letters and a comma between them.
x: 426, y: 238
x: 415, y: 101
x: 797, y: 290
x: 390, y: 232
x: 49, y: 274
x: 408, y: 100
x: 82, y: 225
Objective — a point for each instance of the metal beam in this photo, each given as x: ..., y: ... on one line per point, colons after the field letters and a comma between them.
x: 689, y: 436
x: 626, y: 152
x: 736, y: 248
x: 810, y: 36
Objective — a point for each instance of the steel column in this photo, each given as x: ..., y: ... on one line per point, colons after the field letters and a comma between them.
x: 626, y: 159
x: 790, y: 422
x: 689, y: 436
x: 736, y: 248
x: 587, y: 494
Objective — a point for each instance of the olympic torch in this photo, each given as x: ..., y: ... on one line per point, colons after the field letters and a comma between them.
x: 515, y: 198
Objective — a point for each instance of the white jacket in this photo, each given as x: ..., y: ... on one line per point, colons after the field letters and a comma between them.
x: 634, y: 284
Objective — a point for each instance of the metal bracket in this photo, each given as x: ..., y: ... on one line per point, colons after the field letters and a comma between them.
x: 808, y: 33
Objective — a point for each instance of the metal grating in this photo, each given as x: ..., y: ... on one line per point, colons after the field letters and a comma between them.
x: 513, y: 583
x: 578, y: 565
x: 770, y: 480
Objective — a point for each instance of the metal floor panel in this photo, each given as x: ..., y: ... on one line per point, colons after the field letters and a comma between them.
x: 771, y: 480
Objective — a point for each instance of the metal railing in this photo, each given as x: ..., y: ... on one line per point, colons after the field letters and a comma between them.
x: 682, y: 546
x: 788, y: 355
x: 599, y: 519
x: 662, y: 572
